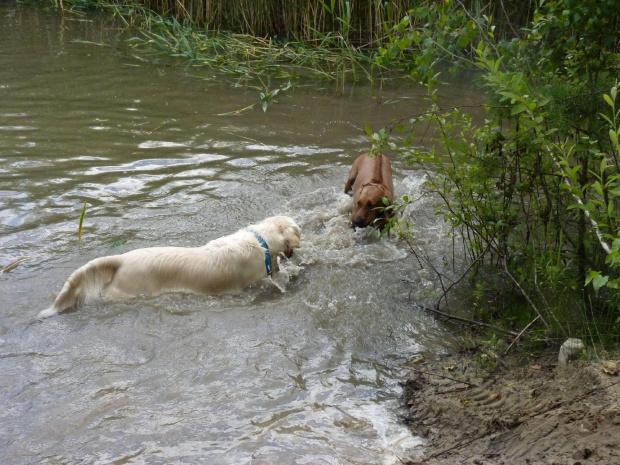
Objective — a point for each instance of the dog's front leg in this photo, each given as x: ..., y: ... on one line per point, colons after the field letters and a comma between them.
x: 351, y: 180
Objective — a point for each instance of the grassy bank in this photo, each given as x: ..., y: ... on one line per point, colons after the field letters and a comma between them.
x: 247, y: 40
x: 334, y: 40
x: 349, y: 23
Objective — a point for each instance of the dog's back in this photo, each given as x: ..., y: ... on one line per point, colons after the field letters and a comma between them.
x: 84, y: 282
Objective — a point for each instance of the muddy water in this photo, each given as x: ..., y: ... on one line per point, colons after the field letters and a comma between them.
x: 303, y: 368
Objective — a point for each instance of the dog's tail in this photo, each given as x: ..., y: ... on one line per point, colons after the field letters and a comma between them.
x: 84, y: 282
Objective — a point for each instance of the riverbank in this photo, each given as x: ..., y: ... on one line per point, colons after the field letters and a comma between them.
x: 527, y: 410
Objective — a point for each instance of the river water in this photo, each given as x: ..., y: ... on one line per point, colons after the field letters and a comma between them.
x: 304, y: 368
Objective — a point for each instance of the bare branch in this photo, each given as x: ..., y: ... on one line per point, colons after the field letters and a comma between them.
x: 465, y: 320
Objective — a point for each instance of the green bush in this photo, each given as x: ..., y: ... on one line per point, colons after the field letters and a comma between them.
x: 534, y: 187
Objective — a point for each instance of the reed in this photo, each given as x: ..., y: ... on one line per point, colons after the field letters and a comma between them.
x: 241, y: 55
x: 330, y: 39
x: 358, y: 22
x: 81, y: 223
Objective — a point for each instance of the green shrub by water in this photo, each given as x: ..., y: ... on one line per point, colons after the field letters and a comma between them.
x: 535, y: 188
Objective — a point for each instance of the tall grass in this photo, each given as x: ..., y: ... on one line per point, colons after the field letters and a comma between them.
x: 354, y: 25
x: 360, y: 23
x: 330, y: 39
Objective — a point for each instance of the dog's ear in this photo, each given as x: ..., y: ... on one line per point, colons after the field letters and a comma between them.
x: 292, y: 237
x: 294, y: 242
x: 283, y: 225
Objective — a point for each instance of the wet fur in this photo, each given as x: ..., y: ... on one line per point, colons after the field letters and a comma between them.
x: 224, y: 266
x: 371, y: 180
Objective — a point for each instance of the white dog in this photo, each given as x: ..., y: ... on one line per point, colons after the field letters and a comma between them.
x: 224, y: 266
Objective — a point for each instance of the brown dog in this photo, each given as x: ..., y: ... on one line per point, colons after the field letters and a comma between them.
x: 371, y: 179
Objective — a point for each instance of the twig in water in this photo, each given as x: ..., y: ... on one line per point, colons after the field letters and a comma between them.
x: 465, y: 320
x: 10, y: 266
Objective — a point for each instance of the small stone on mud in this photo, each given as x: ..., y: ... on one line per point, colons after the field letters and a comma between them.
x: 610, y: 368
x: 582, y: 454
x: 570, y: 350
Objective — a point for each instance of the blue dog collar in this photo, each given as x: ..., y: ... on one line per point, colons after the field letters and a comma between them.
x: 264, y: 245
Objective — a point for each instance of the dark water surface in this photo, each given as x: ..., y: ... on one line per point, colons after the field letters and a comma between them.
x: 302, y: 369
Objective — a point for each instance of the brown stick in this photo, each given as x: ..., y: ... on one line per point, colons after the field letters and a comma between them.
x: 443, y: 376
x: 456, y: 446
x: 559, y: 404
x: 465, y: 320
x: 527, y: 297
x: 10, y: 266
x: 522, y: 331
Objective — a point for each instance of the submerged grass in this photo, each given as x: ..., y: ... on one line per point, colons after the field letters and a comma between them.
x: 333, y: 40
x: 238, y: 54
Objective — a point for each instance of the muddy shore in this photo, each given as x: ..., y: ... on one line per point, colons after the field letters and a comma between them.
x: 526, y: 410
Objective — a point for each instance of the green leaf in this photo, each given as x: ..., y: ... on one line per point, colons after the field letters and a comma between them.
x: 509, y: 95
x: 591, y: 275
x: 587, y: 207
x: 607, y: 118
x: 520, y: 108
x: 598, y: 188
x: 599, y: 281
x: 609, y: 101
x: 603, y: 166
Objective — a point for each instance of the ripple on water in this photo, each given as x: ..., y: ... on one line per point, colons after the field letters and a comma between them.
x: 242, y: 162
x: 154, y: 144
x: 300, y: 368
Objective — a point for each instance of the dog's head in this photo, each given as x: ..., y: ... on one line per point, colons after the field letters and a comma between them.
x: 282, y: 234
x: 368, y: 206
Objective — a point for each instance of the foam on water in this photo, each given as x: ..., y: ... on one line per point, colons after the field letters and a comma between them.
x: 301, y: 368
